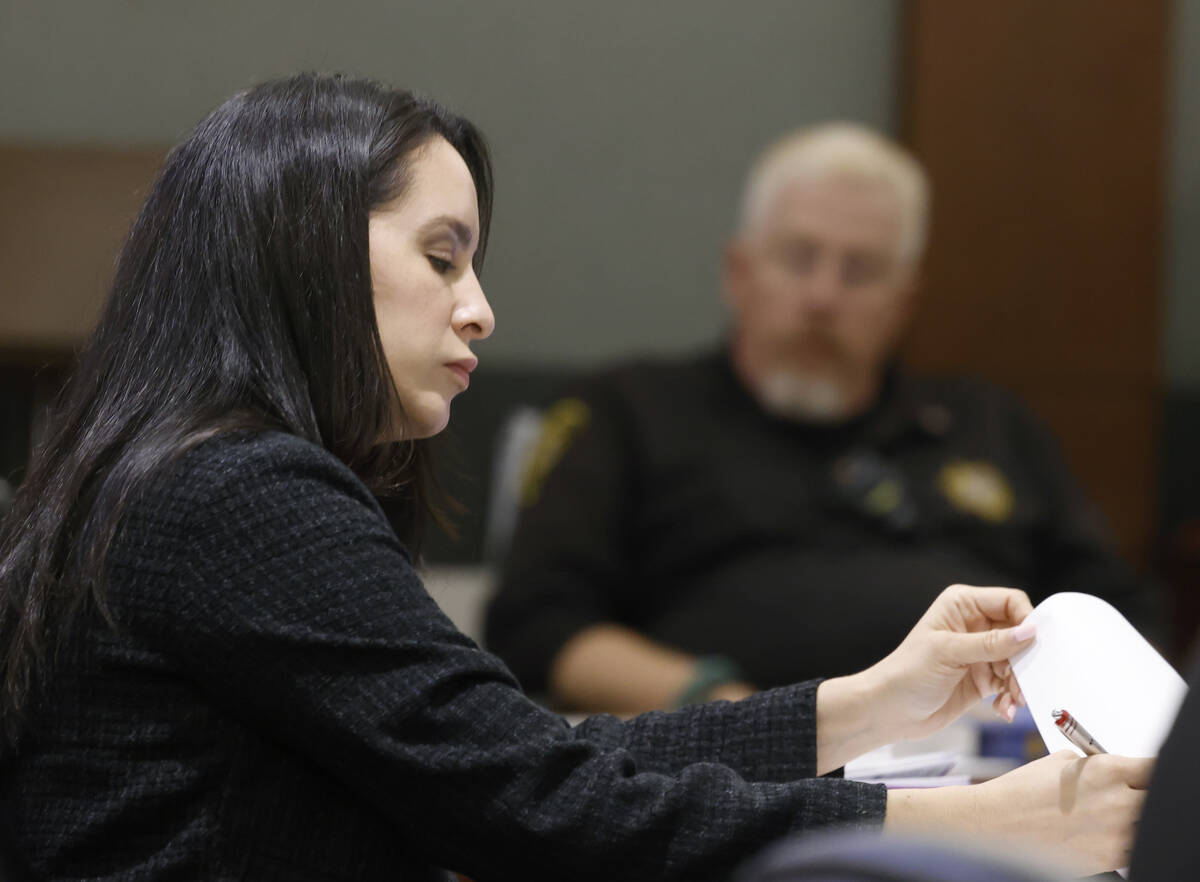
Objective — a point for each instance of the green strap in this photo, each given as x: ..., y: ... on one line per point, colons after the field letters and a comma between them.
x: 710, y: 672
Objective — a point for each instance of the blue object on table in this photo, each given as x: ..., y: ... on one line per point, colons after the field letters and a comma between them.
x: 1018, y: 740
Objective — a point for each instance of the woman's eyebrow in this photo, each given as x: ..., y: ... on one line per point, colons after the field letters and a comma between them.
x: 461, y: 231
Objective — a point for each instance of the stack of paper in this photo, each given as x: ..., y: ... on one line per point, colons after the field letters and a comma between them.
x: 885, y: 766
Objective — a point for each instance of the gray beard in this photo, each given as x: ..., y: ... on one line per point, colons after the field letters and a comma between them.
x: 807, y: 398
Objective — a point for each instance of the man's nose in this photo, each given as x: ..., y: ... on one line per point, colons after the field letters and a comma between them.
x: 823, y: 288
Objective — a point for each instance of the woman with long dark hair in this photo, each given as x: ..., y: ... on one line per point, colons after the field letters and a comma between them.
x: 218, y: 661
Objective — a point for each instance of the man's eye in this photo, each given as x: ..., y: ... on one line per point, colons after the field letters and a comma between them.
x: 440, y: 264
x: 863, y: 269
x: 798, y: 259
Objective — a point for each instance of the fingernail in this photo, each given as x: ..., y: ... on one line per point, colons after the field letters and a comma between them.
x: 1010, y: 713
x: 1024, y: 631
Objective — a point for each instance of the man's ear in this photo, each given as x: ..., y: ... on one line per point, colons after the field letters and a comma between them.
x: 910, y: 293
x: 735, y: 272
x: 908, y: 301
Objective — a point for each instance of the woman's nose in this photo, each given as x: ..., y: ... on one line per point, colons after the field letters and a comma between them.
x: 473, y: 315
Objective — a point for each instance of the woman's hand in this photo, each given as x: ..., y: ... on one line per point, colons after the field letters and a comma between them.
x: 957, y: 653
x: 1084, y: 810
x: 1079, y: 811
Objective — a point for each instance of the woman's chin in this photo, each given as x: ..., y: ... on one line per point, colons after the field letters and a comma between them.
x: 410, y: 427
x: 428, y: 423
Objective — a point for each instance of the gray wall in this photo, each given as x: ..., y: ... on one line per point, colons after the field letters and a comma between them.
x: 620, y: 129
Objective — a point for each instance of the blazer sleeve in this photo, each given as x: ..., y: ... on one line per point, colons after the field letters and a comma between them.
x: 293, y: 605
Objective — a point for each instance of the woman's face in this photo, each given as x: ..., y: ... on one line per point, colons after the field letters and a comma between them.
x: 428, y: 303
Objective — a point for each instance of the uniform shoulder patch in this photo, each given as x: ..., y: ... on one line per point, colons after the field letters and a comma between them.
x: 561, y: 423
x: 977, y: 487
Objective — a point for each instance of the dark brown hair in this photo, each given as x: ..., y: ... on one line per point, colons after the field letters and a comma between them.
x: 242, y: 300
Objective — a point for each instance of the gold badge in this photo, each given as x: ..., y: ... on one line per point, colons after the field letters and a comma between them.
x: 884, y: 498
x: 978, y: 488
x: 560, y: 424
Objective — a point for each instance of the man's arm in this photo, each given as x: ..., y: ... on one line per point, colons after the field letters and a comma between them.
x: 616, y: 669
x: 561, y: 617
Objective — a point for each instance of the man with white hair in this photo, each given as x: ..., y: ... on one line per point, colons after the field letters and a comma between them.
x: 786, y: 507
x: 821, y: 274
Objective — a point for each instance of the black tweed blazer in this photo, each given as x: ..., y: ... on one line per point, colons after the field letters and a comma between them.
x: 282, y: 700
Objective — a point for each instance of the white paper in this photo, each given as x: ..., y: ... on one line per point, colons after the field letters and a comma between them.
x: 1087, y: 659
x: 884, y: 764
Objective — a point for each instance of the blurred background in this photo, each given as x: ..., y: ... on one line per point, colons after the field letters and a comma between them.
x: 1063, y: 146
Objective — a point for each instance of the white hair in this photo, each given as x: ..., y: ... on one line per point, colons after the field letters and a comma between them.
x: 847, y: 151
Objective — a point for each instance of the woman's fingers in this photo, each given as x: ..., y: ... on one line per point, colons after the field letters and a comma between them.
x: 995, y: 604
x: 1003, y: 684
x: 1005, y: 706
x: 1134, y: 772
x: 994, y: 645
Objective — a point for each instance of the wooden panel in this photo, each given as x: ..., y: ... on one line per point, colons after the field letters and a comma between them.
x: 1042, y: 125
x: 1109, y: 433
x: 63, y: 215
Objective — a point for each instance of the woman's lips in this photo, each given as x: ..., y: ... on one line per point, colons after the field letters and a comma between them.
x: 462, y: 370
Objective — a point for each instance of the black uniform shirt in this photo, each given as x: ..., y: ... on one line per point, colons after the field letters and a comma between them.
x: 662, y: 496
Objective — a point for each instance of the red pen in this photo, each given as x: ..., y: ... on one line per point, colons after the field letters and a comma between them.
x: 1076, y: 734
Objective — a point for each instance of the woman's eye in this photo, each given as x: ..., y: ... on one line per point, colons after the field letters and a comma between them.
x: 440, y: 264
